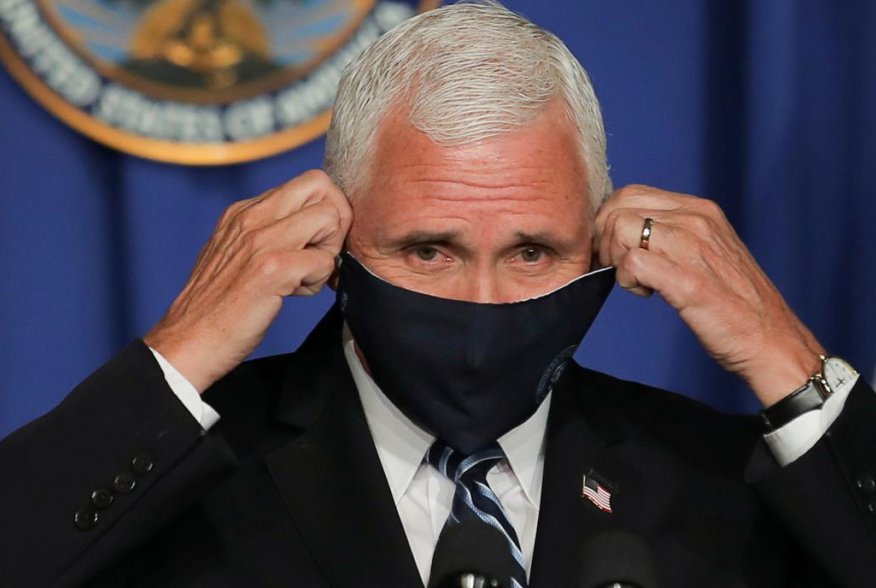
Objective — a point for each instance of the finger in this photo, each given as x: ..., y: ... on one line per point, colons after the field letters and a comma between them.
x: 640, y: 197
x: 312, y: 268
x: 309, y: 188
x: 285, y: 273
x: 321, y: 267
x: 320, y: 226
x: 603, y: 238
x: 679, y: 235
x: 679, y: 285
x: 700, y: 215
x: 629, y: 231
x: 343, y: 213
x: 623, y: 231
x: 628, y: 276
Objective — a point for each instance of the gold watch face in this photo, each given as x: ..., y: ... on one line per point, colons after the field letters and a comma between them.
x: 191, y: 81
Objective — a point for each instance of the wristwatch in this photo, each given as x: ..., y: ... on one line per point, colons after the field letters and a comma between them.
x: 834, y: 373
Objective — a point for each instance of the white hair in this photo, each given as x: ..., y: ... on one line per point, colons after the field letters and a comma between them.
x: 464, y: 72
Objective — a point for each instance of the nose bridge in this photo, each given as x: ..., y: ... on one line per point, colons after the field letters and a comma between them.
x: 484, y: 283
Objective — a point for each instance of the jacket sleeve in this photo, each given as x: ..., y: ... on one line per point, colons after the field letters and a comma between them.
x: 827, y: 497
x: 69, y: 481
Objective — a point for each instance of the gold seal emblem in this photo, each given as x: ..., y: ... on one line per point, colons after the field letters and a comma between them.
x: 199, y: 82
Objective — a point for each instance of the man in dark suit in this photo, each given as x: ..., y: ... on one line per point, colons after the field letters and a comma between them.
x: 466, y: 161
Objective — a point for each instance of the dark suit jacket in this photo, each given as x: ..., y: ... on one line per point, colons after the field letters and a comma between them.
x: 287, y: 489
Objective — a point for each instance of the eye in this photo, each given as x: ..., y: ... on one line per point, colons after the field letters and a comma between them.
x: 426, y: 253
x: 531, y: 254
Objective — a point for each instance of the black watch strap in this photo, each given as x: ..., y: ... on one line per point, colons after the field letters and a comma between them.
x: 802, y: 400
x: 833, y: 375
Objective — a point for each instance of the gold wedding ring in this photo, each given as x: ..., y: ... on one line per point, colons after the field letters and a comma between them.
x: 644, y: 242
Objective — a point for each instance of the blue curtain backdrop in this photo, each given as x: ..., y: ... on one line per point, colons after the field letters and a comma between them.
x: 766, y: 107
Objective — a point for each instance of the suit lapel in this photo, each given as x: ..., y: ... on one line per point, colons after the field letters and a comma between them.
x: 330, y: 477
x: 584, y: 437
x: 334, y: 488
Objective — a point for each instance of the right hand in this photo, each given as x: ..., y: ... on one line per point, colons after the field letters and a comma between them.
x: 281, y: 243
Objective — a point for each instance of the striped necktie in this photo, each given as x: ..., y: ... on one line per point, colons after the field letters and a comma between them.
x: 474, y: 499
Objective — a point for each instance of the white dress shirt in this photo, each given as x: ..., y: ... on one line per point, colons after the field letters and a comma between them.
x: 423, y: 496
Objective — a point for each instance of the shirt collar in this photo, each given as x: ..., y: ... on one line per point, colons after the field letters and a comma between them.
x: 401, y: 444
x: 524, y: 447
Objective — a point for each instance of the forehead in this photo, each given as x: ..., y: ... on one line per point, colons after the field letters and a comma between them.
x: 538, y: 165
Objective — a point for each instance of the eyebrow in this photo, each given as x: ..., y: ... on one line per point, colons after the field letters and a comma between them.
x: 545, y: 238
x: 420, y: 236
x: 450, y: 237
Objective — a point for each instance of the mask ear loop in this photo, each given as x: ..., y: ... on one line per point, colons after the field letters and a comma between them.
x: 335, y: 278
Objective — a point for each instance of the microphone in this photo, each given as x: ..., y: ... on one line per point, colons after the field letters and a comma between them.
x: 471, y: 554
x: 617, y: 560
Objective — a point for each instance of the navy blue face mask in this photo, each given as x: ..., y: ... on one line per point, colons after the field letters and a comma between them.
x: 466, y: 372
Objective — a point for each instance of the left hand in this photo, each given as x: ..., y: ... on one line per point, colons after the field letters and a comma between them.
x: 698, y: 264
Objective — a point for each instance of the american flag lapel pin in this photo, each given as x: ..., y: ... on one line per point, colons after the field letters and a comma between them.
x: 597, y: 490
